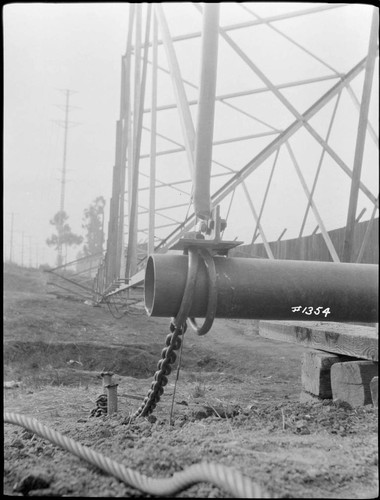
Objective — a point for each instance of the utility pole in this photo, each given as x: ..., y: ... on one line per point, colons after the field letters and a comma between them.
x: 63, y: 175
x: 22, y: 249
x: 36, y: 255
x: 11, y: 243
x: 30, y: 251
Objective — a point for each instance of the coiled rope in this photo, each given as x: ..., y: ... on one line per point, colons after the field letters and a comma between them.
x: 224, y: 477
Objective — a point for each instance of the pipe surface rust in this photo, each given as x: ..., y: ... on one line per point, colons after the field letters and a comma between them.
x: 266, y: 289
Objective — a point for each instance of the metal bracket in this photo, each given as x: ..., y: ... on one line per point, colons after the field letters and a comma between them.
x: 208, y: 236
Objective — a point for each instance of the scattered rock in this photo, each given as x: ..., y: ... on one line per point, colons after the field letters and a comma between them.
x: 11, y: 385
x: 17, y: 443
x: 35, y: 479
x: 73, y: 362
x: 27, y: 434
x: 42, y: 493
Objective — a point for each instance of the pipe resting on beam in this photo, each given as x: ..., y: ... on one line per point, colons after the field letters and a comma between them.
x: 266, y: 289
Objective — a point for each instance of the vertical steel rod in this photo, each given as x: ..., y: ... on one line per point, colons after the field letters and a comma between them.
x: 153, y: 128
x: 361, y: 136
x: 206, y: 111
x: 131, y: 257
x: 125, y: 109
x: 131, y: 263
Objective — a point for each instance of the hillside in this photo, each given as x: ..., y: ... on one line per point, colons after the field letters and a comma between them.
x: 236, y: 403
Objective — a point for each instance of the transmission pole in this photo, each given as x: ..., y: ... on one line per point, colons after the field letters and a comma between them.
x: 63, y: 176
x: 30, y: 251
x: 11, y: 243
x: 22, y: 249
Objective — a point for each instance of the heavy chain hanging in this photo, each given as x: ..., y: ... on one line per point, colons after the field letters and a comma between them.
x: 178, y: 327
x: 173, y: 343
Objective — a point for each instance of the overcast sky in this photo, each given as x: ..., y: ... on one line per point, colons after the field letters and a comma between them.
x: 51, y: 47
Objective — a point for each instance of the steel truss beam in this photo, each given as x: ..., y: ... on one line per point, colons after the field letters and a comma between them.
x: 131, y: 262
x: 247, y: 24
x: 361, y: 136
x: 253, y: 164
x: 191, y: 137
x: 187, y: 126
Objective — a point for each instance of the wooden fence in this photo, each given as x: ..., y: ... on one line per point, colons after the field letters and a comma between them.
x: 313, y: 247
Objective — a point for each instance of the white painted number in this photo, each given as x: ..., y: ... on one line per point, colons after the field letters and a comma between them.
x: 326, y: 311
x: 296, y: 308
x: 310, y: 310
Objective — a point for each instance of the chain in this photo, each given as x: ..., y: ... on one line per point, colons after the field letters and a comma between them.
x: 178, y: 327
x: 173, y: 343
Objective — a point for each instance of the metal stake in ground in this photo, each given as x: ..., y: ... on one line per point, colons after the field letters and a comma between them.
x: 111, y: 391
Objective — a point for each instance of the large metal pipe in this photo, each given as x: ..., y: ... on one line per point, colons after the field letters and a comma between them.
x: 267, y: 289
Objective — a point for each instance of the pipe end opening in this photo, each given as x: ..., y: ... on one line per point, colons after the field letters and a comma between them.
x: 149, y: 288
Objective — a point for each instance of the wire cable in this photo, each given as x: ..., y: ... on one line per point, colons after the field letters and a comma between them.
x: 227, y: 478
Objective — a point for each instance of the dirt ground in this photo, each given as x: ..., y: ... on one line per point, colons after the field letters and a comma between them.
x: 237, y: 403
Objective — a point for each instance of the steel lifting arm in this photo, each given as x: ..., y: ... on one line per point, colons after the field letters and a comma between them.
x: 206, y: 107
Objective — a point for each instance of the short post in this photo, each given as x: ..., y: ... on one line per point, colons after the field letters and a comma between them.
x: 111, y: 391
x: 374, y: 386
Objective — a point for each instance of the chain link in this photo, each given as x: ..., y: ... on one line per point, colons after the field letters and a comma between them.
x: 173, y: 343
x: 178, y: 327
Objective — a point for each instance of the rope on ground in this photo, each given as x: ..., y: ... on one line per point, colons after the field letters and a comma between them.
x: 224, y: 477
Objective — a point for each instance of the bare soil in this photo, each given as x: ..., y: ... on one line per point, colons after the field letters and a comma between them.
x: 237, y: 402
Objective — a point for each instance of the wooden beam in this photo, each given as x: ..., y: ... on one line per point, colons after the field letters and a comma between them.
x: 350, y: 382
x: 357, y: 341
x: 315, y: 372
x: 374, y: 386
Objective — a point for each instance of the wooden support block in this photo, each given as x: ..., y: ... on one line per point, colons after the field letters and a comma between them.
x: 315, y: 374
x: 346, y: 339
x: 350, y: 382
x: 306, y: 397
x: 374, y: 386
